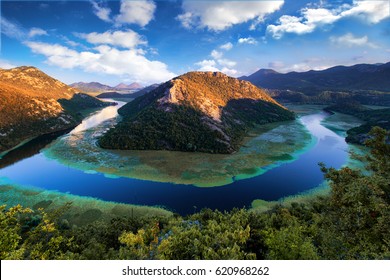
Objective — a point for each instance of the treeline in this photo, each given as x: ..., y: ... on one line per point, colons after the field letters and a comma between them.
x: 185, y: 128
x: 352, y: 222
x: 372, y: 118
x: 315, y: 96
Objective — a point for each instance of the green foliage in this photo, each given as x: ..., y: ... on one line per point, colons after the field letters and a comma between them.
x: 352, y: 222
x: 208, y: 235
x: 10, y: 232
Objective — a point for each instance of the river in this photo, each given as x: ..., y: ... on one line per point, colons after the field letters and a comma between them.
x: 181, y: 182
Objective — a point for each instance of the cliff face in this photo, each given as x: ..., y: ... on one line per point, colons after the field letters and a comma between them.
x: 33, y: 103
x: 198, y: 111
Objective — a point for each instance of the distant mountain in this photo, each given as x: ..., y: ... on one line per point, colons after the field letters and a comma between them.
x: 121, y: 86
x: 198, y: 111
x: 135, y: 86
x: 143, y: 91
x: 357, y: 77
x: 33, y: 103
x: 364, y: 83
x: 97, y: 88
x: 132, y: 86
x: 93, y: 87
x: 114, y: 94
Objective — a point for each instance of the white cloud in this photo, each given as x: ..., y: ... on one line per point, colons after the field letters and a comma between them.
x: 313, y: 63
x: 207, y: 65
x: 139, y: 12
x: 226, y: 62
x: 216, y: 54
x: 14, y: 30
x: 36, y: 32
x: 311, y: 18
x: 249, y: 40
x: 371, y: 11
x: 218, y: 64
x: 126, y: 39
x: 6, y: 65
x: 11, y: 29
x: 348, y: 40
x: 101, y: 12
x: 228, y: 71
x: 227, y: 46
x: 186, y: 19
x: 220, y: 15
x: 276, y: 65
x: 105, y: 59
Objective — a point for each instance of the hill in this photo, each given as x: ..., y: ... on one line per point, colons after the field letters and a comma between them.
x: 372, y: 118
x: 198, y: 111
x: 93, y: 87
x: 33, y: 103
x: 132, y: 86
x: 114, y: 94
x: 366, y: 83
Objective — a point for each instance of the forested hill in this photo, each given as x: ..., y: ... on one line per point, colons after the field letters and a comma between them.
x: 33, y: 103
x: 198, y: 111
x: 356, y: 77
x: 364, y: 83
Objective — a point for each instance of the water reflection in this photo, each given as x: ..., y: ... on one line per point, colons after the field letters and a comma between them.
x: 268, y: 146
x: 103, y: 115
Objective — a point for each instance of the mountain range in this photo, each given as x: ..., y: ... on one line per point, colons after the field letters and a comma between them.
x: 198, y: 111
x: 114, y: 94
x: 33, y: 103
x: 365, y: 83
x: 97, y: 88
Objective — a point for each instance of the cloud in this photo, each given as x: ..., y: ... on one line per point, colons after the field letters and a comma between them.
x: 228, y: 71
x: 311, y: 18
x: 220, y: 15
x: 11, y: 30
x: 227, y: 46
x: 216, y: 54
x: 105, y: 59
x: 15, y: 31
x: 226, y: 62
x: 348, y: 40
x: 101, y: 12
x: 139, y: 12
x: 36, y: 32
x: 211, y: 65
x: 218, y: 63
x: 249, y: 40
x: 207, y: 65
x: 313, y: 63
x: 276, y: 65
x: 370, y: 11
x: 125, y: 39
x: 6, y: 65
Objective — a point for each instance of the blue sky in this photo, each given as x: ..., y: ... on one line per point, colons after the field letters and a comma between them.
x: 150, y: 41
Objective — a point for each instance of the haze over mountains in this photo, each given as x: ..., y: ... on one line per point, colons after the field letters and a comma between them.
x: 356, y: 77
x: 135, y: 94
x: 33, y: 103
x: 95, y: 87
x: 364, y: 83
x: 197, y: 111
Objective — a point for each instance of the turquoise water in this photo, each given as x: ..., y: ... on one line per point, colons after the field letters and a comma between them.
x: 278, y: 160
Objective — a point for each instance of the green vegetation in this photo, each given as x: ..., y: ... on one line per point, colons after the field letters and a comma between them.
x: 349, y: 223
x: 183, y: 129
x: 372, y: 118
x: 267, y: 145
x: 198, y: 111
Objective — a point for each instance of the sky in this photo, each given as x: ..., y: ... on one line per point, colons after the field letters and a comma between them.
x: 149, y: 41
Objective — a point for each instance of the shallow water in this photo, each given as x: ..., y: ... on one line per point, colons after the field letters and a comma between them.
x: 278, y: 160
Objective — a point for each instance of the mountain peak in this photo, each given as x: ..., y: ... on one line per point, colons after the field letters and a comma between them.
x: 197, y: 111
x: 209, y: 91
